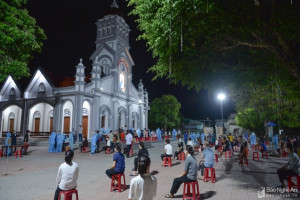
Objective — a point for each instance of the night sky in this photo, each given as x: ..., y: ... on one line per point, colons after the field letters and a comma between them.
x: 71, y: 32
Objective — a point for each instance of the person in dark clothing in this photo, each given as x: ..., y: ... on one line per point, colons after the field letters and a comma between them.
x: 118, y: 166
x: 142, y: 151
x: 84, y: 144
x: 26, y: 136
x: 226, y: 146
x: 179, y: 150
x: 14, y: 140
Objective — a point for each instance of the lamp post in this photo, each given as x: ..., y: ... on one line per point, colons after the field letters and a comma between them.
x: 221, y: 97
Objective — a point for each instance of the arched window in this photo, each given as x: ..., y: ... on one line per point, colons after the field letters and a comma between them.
x: 42, y: 87
x: 12, y: 92
x: 122, y: 82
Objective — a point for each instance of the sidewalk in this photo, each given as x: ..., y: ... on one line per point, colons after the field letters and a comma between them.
x: 32, y: 177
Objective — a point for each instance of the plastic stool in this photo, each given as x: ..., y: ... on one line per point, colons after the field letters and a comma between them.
x: 253, y: 147
x: 255, y: 156
x: 18, y: 153
x: 284, y: 154
x: 216, y: 157
x: 290, y: 182
x: 229, y: 154
x: 212, y: 176
x: 108, y: 150
x: 68, y: 194
x: 84, y: 150
x: 120, y: 185
x: 244, y: 160
x: 181, y: 156
x: 195, y: 195
x: 0, y: 153
x: 167, y: 161
x: 264, y: 154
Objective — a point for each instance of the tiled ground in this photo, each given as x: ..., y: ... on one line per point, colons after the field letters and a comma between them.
x: 32, y: 177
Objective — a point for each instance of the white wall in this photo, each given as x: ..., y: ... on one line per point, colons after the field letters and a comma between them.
x: 44, y: 109
x: 17, y: 120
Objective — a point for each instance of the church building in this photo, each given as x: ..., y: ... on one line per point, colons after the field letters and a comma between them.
x: 107, y: 99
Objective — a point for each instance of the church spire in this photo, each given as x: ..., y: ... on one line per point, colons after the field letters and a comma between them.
x: 114, y: 4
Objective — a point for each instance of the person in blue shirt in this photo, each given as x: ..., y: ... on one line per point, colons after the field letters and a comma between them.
x: 207, y: 159
x: 118, y: 166
x: 275, y: 141
x: 52, y: 142
x: 7, y: 144
x: 158, y: 133
x: 185, y: 138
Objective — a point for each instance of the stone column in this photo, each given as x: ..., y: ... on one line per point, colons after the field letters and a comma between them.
x: 95, y: 115
x: 115, y: 113
x: 129, y: 112
x: 57, y: 115
x: 78, y: 109
x: 24, y: 118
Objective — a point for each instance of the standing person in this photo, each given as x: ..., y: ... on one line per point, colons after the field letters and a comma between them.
x: 73, y: 133
x: 118, y: 166
x: 185, y: 138
x: 208, y: 156
x: 190, y: 142
x: 226, y: 146
x: 179, y: 150
x: 189, y: 173
x: 143, y: 186
x: 7, y: 144
x: 52, y: 142
x: 128, y: 139
x: 292, y: 168
x: 252, y: 140
x: 168, y: 150
x: 26, y: 136
x: 14, y: 140
x: 142, y: 151
x: 67, y: 174
x: 79, y: 133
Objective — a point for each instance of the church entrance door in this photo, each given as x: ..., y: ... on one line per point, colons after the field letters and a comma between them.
x: 66, y: 124
x: 11, y: 125
x: 85, y: 120
x: 102, y: 121
x: 36, y: 125
x: 51, y: 124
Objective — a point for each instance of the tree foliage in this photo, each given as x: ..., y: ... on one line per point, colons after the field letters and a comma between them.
x: 249, y: 48
x: 20, y: 37
x: 165, y: 112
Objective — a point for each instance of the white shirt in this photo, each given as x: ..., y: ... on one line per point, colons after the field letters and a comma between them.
x: 128, y: 139
x: 67, y: 176
x: 190, y: 143
x: 168, y: 147
x: 143, y: 187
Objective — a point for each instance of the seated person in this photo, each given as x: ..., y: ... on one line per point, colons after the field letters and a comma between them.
x: 226, y: 146
x: 264, y: 147
x: 179, y: 150
x: 84, y: 144
x: 107, y: 144
x: 142, y: 151
x: 143, y: 186
x: 67, y: 174
x: 208, y: 156
x: 292, y: 168
x: 190, y: 142
x: 244, y: 152
x: 189, y: 173
x: 118, y: 166
x: 168, y: 150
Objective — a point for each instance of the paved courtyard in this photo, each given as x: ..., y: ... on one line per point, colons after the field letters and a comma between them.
x: 32, y: 177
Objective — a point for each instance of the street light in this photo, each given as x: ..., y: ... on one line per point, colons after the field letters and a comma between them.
x: 221, y: 97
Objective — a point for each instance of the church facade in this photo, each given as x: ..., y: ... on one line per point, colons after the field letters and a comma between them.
x: 107, y: 100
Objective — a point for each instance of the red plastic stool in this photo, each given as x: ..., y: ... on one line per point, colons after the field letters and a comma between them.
x: 181, y: 156
x: 264, y: 154
x: 18, y: 153
x: 68, y: 194
x: 244, y: 160
x: 220, y: 149
x: 212, y: 176
x: 284, y: 154
x: 84, y: 150
x: 120, y: 185
x: 227, y: 154
x: 108, y: 150
x: 255, y: 156
x: 253, y: 147
x: 195, y: 195
x: 0, y: 153
x: 290, y: 182
x: 167, y: 161
x: 216, y: 157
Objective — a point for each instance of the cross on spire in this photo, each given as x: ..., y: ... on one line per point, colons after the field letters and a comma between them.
x: 114, y: 4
